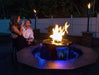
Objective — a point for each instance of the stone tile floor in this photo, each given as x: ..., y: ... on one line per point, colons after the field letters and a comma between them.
x: 7, y: 68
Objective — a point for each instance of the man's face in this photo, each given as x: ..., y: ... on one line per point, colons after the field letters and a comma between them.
x: 28, y: 23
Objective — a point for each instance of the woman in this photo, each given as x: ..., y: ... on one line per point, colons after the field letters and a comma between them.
x: 17, y: 29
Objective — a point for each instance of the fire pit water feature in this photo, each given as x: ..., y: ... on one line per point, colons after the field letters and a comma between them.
x: 57, y: 48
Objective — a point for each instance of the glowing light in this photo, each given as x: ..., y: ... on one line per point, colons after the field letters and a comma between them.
x: 58, y: 33
x: 89, y: 5
x: 34, y: 10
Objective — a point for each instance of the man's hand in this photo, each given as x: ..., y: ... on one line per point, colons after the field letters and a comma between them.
x: 29, y: 41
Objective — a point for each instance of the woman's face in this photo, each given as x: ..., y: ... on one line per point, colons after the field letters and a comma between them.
x: 18, y: 19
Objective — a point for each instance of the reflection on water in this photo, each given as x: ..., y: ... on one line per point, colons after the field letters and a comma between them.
x: 42, y: 63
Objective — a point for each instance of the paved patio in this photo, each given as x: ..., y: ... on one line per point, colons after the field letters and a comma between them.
x: 7, y: 68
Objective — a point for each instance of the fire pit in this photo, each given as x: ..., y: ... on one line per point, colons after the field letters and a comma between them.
x: 53, y: 51
x: 57, y: 48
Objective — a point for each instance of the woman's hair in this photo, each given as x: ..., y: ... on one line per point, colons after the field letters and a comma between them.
x: 13, y: 22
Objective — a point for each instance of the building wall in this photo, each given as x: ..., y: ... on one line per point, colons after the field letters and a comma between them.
x: 77, y: 25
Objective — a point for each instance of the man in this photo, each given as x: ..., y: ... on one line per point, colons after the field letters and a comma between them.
x: 28, y: 32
